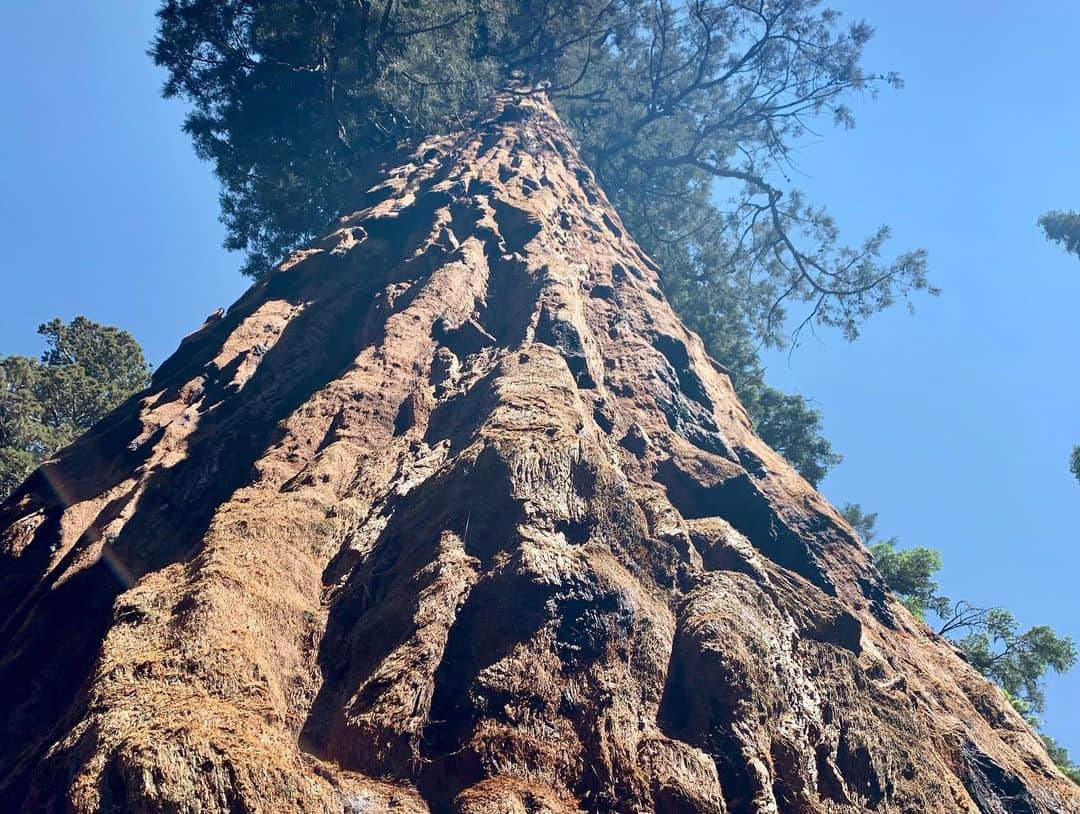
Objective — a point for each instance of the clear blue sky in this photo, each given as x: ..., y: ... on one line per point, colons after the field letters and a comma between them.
x: 955, y: 423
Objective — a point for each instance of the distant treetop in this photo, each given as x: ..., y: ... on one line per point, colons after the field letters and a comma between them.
x: 86, y: 370
x: 1063, y: 228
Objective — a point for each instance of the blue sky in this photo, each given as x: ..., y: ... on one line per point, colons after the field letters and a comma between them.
x: 955, y: 423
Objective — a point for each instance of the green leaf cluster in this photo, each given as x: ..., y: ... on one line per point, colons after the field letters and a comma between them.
x: 86, y: 370
x: 1062, y: 228
x: 1060, y: 755
x: 1016, y: 660
x: 908, y: 572
x: 788, y: 424
x: 687, y: 110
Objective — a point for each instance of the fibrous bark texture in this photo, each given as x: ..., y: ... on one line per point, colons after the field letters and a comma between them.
x: 451, y: 514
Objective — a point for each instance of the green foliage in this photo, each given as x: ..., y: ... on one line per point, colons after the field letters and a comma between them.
x: 908, y: 572
x: 1060, y: 755
x: 22, y: 437
x: 864, y: 523
x: 687, y: 110
x: 993, y: 642
x: 1063, y: 228
x: 792, y: 427
x: 1017, y: 661
x: 86, y: 370
x: 689, y: 127
x: 1074, y: 462
x: 672, y: 104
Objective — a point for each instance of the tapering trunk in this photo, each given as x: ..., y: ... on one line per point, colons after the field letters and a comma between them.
x: 451, y: 514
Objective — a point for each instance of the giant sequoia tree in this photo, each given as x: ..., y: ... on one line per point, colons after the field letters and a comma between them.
x: 450, y: 512
x: 295, y: 100
x: 686, y: 110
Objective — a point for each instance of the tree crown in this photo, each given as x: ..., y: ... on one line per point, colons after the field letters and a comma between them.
x: 86, y: 370
x: 1062, y: 228
x: 687, y: 111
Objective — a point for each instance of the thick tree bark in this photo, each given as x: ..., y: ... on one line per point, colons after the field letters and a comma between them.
x: 451, y: 514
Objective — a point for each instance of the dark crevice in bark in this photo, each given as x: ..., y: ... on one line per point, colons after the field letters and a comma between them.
x: 707, y: 721
x: 565, y: 338
x: 994, y: 789
x: 739, y: 502
x: 677, y: 356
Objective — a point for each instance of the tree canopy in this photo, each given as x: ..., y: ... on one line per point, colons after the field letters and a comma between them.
x: 1060, y: 755
x: 1017, y: 660
x: 687, y: 111
x: 86, y: 370
x: 1062, y: 228
x: 909, y: 572
x: 788, y: 424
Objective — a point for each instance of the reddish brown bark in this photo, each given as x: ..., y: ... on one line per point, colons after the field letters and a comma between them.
x: 451, y: 514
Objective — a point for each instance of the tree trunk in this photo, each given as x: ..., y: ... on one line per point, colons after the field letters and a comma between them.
x: 451, y: 514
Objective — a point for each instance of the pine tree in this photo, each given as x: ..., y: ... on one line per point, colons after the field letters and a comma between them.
x: 86, y: 370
